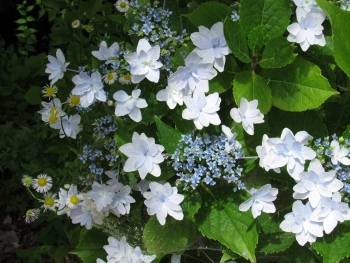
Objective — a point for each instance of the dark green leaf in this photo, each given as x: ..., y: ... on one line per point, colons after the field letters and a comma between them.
x: 168, y: 136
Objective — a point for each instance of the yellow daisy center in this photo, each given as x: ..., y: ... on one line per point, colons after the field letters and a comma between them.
x: 53, y: 119
x: 29, y: 212
x: 122, y: 4
x: 74, y: 200
x: 110, y: 76
x: 127, y: 77
x: 49, y: 201
x: 42, y: 182
x: 75, y: 22
x: 50, y: 91
x: 75, y: 100
x: 53, y: 111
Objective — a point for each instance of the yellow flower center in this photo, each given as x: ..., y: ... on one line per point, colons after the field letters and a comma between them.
x: 49, y: 201
x: 42, y: 182
x: 75, y: 100
x: 74, y: 200
x: 53, y: 119
x: 75, y: 22
x: 53, y: 111
x: 110, y: 76
x: 127, y: 77
x: 122, y: 4
x: 50, y: 91
x: 29, y: 212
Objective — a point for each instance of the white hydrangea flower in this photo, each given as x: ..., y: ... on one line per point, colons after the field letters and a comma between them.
x: 247, y: 113
x: 331, y: 211
x: 307, y: 5
x: 119, y: 251
x: 231, y: 143
x: 57, y: 66
x: 89, y: 89
x: 163, y: 200
x: 261, y: 200
x: 211, y: 45
x: 202, y: 110
x: 129, y: 105
x: 122, y: 200
x: 339, y: 154
x: 70, y: 126
x: 104, y: 53
x: 288, y: 150
x: 194, y: 75
x: 308, y: 30
x: 172, y: 95
x: 101, y: 194
x: 144, y: 62
x: 62, y: 196
x: 301, y: 224
x: 144, y: 155
x: 316, y: 183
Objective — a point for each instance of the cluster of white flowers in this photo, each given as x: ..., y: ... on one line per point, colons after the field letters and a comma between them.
x: 93, y: 206
x: 308, y: 29
x: 119, y: 251
x: 324, y: 208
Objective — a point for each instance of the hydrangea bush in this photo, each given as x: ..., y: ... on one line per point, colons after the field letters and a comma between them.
x: 208, y: 133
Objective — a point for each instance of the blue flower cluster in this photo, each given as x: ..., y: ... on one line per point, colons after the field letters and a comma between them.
x: 204, y: 159
x: 324, y: 153
x: 154, y: 25
x: 103, y: 150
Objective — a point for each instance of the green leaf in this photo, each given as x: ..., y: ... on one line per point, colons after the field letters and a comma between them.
x: 168, y: 136
x: 273, y: 15
x: 339, y: 18
x: 91, y: 244
x: 191, y: 203
x: 33, y: 254
x: 346, y: 133
x: 251, y: 86
x: 277, y: 53
x: 236, y: 40
x: 209, y: 13
x: 21, y: 21
x: 172, y: 238
x: 298, y: 86
x: 30, y: 19
x: 275, y: 242
x: 220, y: 219
x: 310, y: 121
x: 335, y: 246
x: 221, y: 83
x: 33, y: 95
x: 256, y: 38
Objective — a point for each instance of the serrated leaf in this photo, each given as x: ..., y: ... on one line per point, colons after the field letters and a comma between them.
x: 209, y: 13
x: 236, y: 40
x: 90, y: 245
x: 172, y: 238
x: 168, y: 136
x: 298, y: 86
x: 33, y: 95
x: 256, y: 37
x: 275, y: 242
x: 220, y: 219
x: 277, y: 53
x: 335, y: 246
x: 251, y: 86
x: 339, y: 18
x: 191, y: 203
x: 274, y: 15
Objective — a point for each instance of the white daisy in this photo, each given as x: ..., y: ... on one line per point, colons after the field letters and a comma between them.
x: 27, y: 180
x: 49, y: 202
x: 122, y: 5
x: 50, y: 91
x: 42, y: 183
x: 75, y: 23
x: 125, y: 79
x: 73, y: 197
x: 73, y: 100
x: 110, y: 78
x: 31, y: 215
